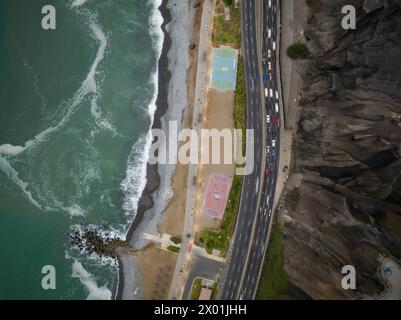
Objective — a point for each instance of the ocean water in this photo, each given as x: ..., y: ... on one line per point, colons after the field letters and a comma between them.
x: 76, y: 105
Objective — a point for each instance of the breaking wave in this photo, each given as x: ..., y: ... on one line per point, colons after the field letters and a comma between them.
x: 135, y: 182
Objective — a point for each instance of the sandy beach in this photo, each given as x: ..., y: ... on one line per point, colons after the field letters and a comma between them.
x: 162, y: 204
x: 158, y: 262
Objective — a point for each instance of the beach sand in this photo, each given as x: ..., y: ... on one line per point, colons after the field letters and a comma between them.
x: 173, y: 219
x: 155, y: 265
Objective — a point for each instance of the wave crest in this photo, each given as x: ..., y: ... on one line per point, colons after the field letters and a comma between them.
x: 135, y: 182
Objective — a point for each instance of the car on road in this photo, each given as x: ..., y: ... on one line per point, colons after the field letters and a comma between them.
x: 269, y: 33
x: 272, y: 168
x: 271, y: 93
x: 276, y: 95
x: 266, y: 93
x: 268, y: 118
x: 268, y: 150
x: 276, y: 107
x: 273, y: 153
x: 274, y: 45
x: 270, y: 3
x: 269, y: 53
x: 265, y: 77
x: 269, y: 65
x: 273, y: 143
x: 270, y: 212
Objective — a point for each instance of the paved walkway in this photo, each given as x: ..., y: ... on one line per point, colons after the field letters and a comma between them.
x: 291, y: 31
x: 202, y: 80
x: 162, y: 240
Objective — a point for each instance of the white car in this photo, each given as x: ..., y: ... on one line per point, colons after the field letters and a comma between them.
x: 270, y: 3
x: 271, y: 93
x: 269, y: 33
x: 273, y: 143
x: 269, y: 65
x: 269, y: 53
x: 268, y: 150
x: 276, y: 95
x: 267, y: 118
x: 274, y: 45
x: 276, y: 106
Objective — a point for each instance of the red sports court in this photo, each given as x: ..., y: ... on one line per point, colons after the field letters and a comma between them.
x: 217, y: 192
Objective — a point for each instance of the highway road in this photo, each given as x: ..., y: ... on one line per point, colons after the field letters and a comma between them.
x: 257, y: 196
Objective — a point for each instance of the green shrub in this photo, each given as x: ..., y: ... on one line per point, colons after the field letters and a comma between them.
x: 173, y: 249
x: 298, y: 51
x: 176, y: 240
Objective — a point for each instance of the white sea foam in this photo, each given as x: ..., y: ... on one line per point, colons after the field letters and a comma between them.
x: 90, y: 81
x: 89, y: 85
x: 135, y: 181
x: 12, y: 174
x: 89, y: 281
x: 75, y: 211
x: 78, y: 3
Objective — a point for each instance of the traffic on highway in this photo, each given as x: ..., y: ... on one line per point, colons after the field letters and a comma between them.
x: 259, y: 245
x: 250, y: 239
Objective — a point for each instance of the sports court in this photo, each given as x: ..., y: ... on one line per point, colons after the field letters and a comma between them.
x: 224, y: 69
x: 217, y: 192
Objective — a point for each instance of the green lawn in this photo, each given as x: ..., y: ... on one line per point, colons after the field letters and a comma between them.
x: 173, y: 249
x: 240, y: 101
x: 226, y: 32
x: 196, y: 289
x: 273, y: 283
x: 176, y: 240
x: 214, y: 291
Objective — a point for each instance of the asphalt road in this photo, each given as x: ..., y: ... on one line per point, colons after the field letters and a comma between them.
x: 257, y: 196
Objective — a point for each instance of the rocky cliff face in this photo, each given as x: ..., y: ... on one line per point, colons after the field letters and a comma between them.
x: 348, y: 149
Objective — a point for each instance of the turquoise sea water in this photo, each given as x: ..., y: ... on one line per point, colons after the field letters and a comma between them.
x: 76, y: 104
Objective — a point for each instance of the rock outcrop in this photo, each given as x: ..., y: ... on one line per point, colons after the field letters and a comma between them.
x: 348, y: 149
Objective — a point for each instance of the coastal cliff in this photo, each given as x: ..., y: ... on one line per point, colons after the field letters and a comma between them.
x: 347, y: 152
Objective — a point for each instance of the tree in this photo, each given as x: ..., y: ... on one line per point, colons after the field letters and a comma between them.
x: 298, y: 51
